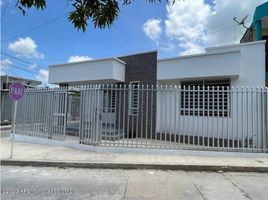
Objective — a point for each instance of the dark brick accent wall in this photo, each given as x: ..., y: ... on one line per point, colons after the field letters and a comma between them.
x: 142, y: 68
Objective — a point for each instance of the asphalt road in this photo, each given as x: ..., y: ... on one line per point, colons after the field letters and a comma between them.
x: 55, y: 183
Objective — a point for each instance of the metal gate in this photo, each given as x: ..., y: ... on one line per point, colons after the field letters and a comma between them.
x: 90, y: 118
x: 59, y: 118
x: 42, y: 113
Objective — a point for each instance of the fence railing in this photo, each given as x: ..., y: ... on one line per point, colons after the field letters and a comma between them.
x: 42, y: 113
x: 73, y: 114
x: 6, y: 107
x: 188, y: 117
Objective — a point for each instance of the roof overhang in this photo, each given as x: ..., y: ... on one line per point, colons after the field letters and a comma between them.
x: 106, y: 70
x: 221, y: 61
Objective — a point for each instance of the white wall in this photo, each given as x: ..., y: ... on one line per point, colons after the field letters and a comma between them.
x: 247, y: 118
x: 252, y: 65
x: 244, y: 64
x: 87, y: 71
x: 198, y: 66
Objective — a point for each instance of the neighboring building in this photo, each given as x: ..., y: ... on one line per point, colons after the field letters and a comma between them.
x: 259, y: 30
x: 7, y: 80
x: 6, y: 102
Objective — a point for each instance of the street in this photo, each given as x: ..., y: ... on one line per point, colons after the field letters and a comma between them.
x: 55, y: 183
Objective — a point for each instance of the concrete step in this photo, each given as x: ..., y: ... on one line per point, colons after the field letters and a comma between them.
x: 5, y: 127
x: 113, y: 135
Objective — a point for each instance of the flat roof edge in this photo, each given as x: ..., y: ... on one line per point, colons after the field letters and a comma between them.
x: 197, y: 55
x: 82, y: 81
x: 236, y: 45
x: 88, y: 61
x: 21, y: 78
x: 222, y: 50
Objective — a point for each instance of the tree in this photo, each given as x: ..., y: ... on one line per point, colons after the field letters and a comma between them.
x: 101, y: 12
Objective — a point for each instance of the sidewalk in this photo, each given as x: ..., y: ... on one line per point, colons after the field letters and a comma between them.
x: 48, y: 155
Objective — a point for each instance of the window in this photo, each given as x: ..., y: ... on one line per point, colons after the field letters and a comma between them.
x: 134, y: 98
x: 205, y: 101
x: 109, y: 101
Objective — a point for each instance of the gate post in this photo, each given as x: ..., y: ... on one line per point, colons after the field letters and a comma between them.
x: 98, y: 131
x: 65, y: 113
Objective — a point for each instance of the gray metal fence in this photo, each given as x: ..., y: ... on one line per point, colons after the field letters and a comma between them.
x: 6, y: 107
x: 73, y: 114
x: 42, y: 113
x: 170, y: 117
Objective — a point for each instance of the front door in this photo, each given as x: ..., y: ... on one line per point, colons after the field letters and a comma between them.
x: 108, y: 112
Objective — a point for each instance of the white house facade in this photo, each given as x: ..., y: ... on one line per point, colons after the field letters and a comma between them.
x: 208, y: 94
x: 232, y: 67
x: 213, y: 100
x: 242, y: 64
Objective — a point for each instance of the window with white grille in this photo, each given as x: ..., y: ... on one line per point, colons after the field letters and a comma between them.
x: 205, y: 98
x: 109, y: 101
x: 134, y: 98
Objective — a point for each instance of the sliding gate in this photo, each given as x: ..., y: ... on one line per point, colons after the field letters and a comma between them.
x: 42, y: 113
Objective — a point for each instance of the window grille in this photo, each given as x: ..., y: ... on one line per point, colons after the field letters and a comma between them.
x: 109, y: 101
x: 212, y: 98
x: 134, y: 98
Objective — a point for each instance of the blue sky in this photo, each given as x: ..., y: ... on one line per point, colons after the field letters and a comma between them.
x: 172, y: 30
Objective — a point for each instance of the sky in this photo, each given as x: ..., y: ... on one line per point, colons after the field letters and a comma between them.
x: 29, y: 44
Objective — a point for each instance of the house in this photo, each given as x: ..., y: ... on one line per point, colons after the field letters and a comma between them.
x: 258, y: 30
x: 134, y: 70
x: 6, y: 102
x: 222, y: 67
x: 233, y: 64
x: 225, y: 66
x: 213, y: 100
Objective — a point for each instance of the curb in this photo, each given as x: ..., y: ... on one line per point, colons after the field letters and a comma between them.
x: 132, y: 166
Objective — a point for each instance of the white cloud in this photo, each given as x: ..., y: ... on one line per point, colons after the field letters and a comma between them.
x: 186, y: 24
x: 191, y: 26
x: 79, y: 58
x: 4, y: 66
x: 25, y: 47
x: 152, y: 29
x: 42, y: 75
